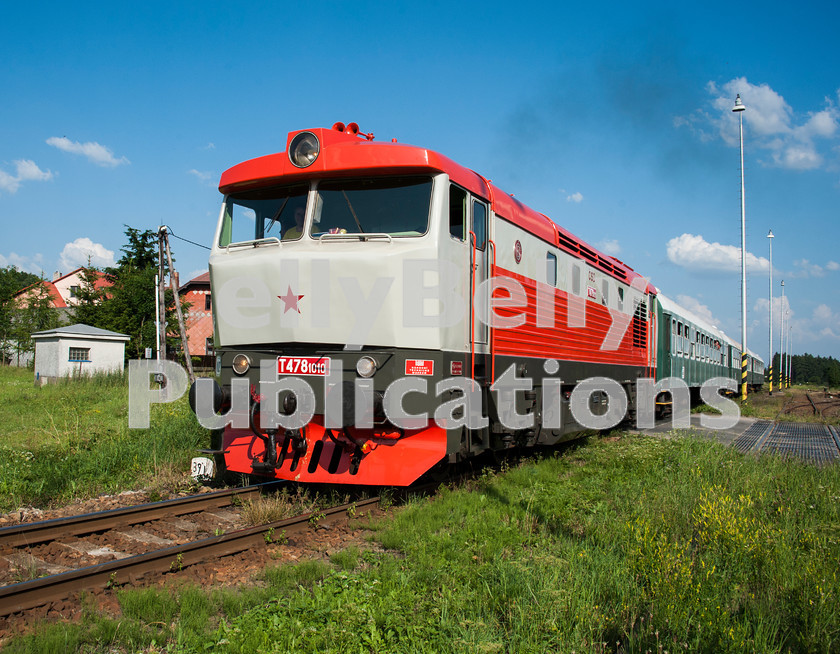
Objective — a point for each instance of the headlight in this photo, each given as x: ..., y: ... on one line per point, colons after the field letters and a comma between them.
x: 304, y: 149
x: 241, y: 363
x: 366, y: 366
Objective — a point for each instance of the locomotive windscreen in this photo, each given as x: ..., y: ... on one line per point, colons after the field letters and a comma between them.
x: 264, y: 213
x: 398, y: 206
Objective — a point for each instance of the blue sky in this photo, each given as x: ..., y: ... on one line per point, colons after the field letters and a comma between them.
x: 614, y: 119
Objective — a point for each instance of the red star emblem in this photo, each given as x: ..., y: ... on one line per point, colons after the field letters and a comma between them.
x: 290, y: 300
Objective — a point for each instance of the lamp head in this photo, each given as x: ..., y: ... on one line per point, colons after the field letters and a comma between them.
x: 739, y: 106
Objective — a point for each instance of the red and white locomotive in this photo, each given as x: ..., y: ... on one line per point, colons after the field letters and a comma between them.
x: 384, y: 277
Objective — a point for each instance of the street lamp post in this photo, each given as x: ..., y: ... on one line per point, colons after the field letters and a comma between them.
x: 781, y: 335
x: 739, y: 109
x: 770, y: 237
x: 785, y: 369
x: 790, y: 354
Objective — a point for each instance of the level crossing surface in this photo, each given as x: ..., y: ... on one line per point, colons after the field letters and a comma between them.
x: 812, y: 442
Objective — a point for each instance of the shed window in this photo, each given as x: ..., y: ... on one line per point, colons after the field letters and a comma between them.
x: 207, y: 302
x: 79, y: 354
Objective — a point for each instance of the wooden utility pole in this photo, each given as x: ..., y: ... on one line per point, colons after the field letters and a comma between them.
x: 161, y: 299
x: 173, y: 283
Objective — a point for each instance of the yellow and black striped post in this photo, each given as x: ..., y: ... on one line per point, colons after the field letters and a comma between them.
x: 770, y: 376
x: 743, y: 377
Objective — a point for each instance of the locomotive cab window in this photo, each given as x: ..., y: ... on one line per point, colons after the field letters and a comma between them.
x: 479, y: 224
x: 457, y: 211
x: 265, y: 213
x: 397, y: 206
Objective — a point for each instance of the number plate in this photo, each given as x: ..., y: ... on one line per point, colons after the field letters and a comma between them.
x: 304, y: 366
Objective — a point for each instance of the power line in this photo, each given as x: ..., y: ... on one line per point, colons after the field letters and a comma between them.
x: 171, y: 233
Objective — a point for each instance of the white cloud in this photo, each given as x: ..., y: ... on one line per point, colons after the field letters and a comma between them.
x: 824, y: 322
x: 804, y: 332
x: 832, y: 265
x: 26, y: 171
x: 697, y: 308
x: 95, y: 153
x: 807, y: 269
x: 823, y: 313
x: 203, y: 177
x: 34, y: 264
x: 78, y: 252
x: 770, y: 124
x: 610, y: 247
x: 695, y: 253
x: 576, y: 197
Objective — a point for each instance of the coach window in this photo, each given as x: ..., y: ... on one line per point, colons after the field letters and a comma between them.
x: 673, y: 335
x: 605, y: 292
x: 457, y: 211
x: 620, y: 299
x: 551, y: 269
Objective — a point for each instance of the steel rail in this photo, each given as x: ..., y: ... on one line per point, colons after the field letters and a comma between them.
x: 38, y: 592
x: 33, y: 533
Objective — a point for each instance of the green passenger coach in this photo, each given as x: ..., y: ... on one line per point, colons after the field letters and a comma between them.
x: 693, y: 350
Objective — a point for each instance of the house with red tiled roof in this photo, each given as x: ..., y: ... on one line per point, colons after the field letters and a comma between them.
x: 198, y: 319
x: 63, y: 289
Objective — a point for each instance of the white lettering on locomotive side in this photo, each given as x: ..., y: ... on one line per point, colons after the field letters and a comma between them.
x: 246, y: 302
x: 141, y: 397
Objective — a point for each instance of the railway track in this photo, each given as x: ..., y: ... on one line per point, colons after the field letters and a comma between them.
x: 25, y: 595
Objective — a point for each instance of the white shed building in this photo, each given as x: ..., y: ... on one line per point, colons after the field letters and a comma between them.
x: 77, y: 350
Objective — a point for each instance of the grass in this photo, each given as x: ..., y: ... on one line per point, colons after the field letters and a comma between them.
x: 628, y: 544
x: 278, y: 506
x: 767, y: 407
x: 71, y: 440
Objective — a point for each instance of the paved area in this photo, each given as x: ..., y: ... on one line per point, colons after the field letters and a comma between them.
x: 819, y: 444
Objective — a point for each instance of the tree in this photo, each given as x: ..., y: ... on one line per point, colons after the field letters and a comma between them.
x: 12, y: 280
x: 128, y: 305
x: 38, y: 315
x: 89, y: 298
